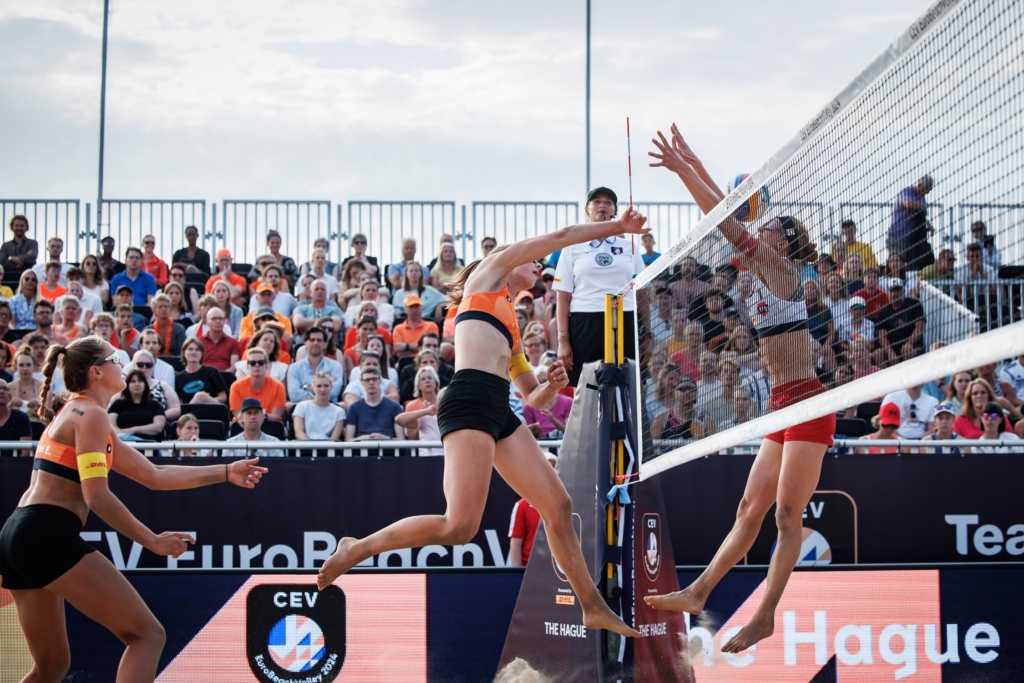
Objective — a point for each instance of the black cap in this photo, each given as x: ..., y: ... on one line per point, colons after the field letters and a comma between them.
x: 265, y: 312
x: 123, y: 287
x: 252, y: 403
x: 732, y: 310
x: 602, y: 190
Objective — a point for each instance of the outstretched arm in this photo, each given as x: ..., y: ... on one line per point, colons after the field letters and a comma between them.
x: 497, y: 266
x: 677, y: 156
x: 134, y: 465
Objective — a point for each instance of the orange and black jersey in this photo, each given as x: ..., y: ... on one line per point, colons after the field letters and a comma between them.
x: 495, y: 309
x: 61, y: 459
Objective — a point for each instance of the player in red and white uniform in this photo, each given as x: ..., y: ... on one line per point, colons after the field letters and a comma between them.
x: 788, y: 464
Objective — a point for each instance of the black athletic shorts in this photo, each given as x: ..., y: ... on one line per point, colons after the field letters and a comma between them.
x: 38, y: 544
x: 586, y: 339
x: 477, y: 400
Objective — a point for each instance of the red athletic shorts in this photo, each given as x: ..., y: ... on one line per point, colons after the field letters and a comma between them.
x: 820, y: 430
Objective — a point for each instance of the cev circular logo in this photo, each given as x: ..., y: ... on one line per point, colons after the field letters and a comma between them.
x: 296, y: 643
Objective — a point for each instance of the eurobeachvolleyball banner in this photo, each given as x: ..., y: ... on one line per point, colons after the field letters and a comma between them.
x: 869, y: 509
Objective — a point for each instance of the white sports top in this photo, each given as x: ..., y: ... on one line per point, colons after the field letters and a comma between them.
x: 772, y: 315
x: 593, y: 269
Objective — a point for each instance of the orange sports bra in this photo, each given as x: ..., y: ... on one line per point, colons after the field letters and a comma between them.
x: 494, y: 308
x: 61, y: 459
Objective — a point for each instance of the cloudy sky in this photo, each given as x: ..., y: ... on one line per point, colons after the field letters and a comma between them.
x: 406, y: 99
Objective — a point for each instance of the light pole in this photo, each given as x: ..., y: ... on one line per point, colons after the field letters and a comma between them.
x: 587, y: 188
x: 103, y: 117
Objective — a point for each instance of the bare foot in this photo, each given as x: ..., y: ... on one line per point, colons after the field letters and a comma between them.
x: 337, y: 564
x: 601, y: 617
x: 681, y: 601
x: 757, y: 629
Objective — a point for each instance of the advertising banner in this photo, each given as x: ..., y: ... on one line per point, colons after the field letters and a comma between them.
x: 869, y: 509
x: 293, y: 519
x: 870, y: 626
x: 449, y: 627
x: 268, y: 629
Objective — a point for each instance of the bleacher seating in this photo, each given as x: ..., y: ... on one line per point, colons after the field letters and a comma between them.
x: 212, y: 430
x: 208, y: 411
x: 852, y: 427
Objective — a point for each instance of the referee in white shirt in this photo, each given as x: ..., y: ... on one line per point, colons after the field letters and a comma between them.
x: 584, y: 275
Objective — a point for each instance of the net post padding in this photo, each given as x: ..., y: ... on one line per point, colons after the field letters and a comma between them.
x: 990, y: 347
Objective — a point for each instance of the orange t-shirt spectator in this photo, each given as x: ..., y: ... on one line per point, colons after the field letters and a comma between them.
x: 153, y: 264
x: 248, y: 328
x: 50, y: 288
x: 407, y: 334
x: 235, y: 281
x: 259, y: 385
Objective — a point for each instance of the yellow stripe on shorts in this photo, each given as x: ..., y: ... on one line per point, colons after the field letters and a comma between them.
x: 92, y: 465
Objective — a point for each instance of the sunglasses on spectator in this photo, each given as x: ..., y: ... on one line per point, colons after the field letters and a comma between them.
x: 257, y: 363
x: 890, y: 426
x: 148, y: 243
x: 991, y: 416
x: 144, y: 365
x: 359, y: 242
x: 264, y: 264
x: 112, y: 358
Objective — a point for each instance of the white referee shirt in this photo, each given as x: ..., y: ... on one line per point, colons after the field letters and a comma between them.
x: 593, y: 269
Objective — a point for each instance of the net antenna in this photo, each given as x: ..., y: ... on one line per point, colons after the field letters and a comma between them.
x: 886, y: 179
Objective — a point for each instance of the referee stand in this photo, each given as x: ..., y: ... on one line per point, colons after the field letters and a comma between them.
x: 620, y: 522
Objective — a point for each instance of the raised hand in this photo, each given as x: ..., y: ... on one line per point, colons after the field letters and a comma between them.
x: 245, y: 473
x: 668, y: 156
x: 171, y: 543
x: 632, y: 222
x: 681, y: 148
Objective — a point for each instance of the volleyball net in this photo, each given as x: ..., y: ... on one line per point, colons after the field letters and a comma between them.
x: 891, y: 180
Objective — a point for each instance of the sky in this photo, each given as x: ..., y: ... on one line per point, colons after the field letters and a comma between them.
x: 411, y: 100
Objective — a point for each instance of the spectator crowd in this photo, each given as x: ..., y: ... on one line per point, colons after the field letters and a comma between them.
x: 360, y: 350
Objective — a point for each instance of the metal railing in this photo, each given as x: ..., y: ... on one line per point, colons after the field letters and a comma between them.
x: 1004, y: 221
x: 874, y: 218
x: 245, y: 223
x: 842, y: 446
x: 49, y: 218
x: 128, y: 220
x: 511, y: 222
x: 996, y: 302
x: 291, y: 447
x: 387, y: 223
x: 669, y: 221
x: 241, y: 225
